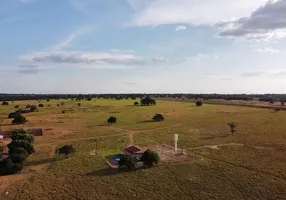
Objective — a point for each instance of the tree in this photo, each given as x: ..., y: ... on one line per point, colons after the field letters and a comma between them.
x: 19, y: 119
x: 232, y: 127
x: 21, y: 134
x: 5, y: 103
x: 15, y: 144
x: 41, y: 105
x: 17, y: 106
x: 158, y: 118
x: 128, y: 161
x: 147, y: 101
x: 13, y: 115
x: 282, y: 103
x: 111, y: 120
x: 79, y: 104
x: 136, y: 103
x: 66, y: 150
x: 150, y: 158
x: 28, y: 106
x: 18, y: 155
x: 7, y: 167
x: 62, y: 103
x: 199, y: 103
x: 33, y: 108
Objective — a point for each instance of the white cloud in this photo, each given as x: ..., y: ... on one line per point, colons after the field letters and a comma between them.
x: 197, y: 12
x: 160, y: 59
x: 267, y: 50
x: 72, y: 37
x: 200, y: 57
x: 12, y: 19
x: 181, y: 28
x: 266, y: 22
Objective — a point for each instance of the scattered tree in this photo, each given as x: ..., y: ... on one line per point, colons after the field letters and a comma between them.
x: 22, y: 111
x: 282, y: 103
x: 147, y: 101
x: 66, y: 150
x: 58, y: 105
x: 13, y: 115
x: 48, y: 100
x: 28, y: 106
x: 63, y: 111
x: 5, y: 103
x: 277, y: 109
x: 128, y: 161
x: 136, y: 103
x: 271, y: 101
x: 19, y: 119
x: 111, y: 120
x: 232, y: 127
x: 62, y: 103
x: 41, y: 105
x: 150, y: 158
x: 79, y: 104
x: 16, y: 106
x: 33, y: 108
x: 199, y: 103
x: 158, y: 118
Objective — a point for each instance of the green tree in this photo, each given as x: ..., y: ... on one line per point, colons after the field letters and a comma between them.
x: 29, y: 147
x: 232, y: 127
x: 19, y: 119
x: 18, y: 155
x: 150, y: 158
x: 21, y: 134
x: 128, y: 161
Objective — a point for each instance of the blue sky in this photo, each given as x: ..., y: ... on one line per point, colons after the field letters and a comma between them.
x: 111, y: 46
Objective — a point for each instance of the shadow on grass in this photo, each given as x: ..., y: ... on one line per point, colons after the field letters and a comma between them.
x: 147, y: 121
x: 40, y: 162
x: 112, y: 172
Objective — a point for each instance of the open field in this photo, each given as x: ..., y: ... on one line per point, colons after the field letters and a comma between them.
x: 248, y: 165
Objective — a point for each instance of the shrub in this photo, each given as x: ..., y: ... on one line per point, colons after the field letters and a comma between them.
x: 58, y: 105
x: 21, y: 111
x: 66, y: 150
x: 128, y: 161
x: 28, y: 106
x: 111, y: 120
x: 5, y: 103
x: 136, y: 103
x: 150, y: 158
x: 79, y: 104
x: 158, y: 118
x: 25, y: 144
x: 33, y: 108
x: 199, y: 103
x: 232, y: 127
x: 7, y: 167
x: 19, y: 119
x: 16, y: 106
x: 41, y: 105
x: 13, y: 115
x: 62, y: 103
x: 63, y: 111
x: 282, y: 103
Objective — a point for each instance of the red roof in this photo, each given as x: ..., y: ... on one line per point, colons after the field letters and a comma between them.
x: 132, y: 150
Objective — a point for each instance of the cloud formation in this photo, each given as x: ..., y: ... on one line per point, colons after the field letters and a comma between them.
x: 181, y: 28
x: 266, y: 22
x: 160, y: 59
x: 267, y: 50
x: 197, y: 12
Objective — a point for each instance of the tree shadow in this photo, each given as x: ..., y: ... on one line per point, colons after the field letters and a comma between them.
x: 147, y: 121
x: 40, y: 162
x: 112, y: 172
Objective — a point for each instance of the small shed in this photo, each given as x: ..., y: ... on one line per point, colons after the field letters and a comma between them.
x: 133, y: 151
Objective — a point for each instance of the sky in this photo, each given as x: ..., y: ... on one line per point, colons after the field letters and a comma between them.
x: 142, y: 46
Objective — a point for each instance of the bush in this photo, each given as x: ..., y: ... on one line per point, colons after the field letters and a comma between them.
x: 63, y: 112
x: 16, y: 106
x: 7, y: 167
x: 199, y: 103
x: 13, y: 115
x: 16, y: 144
x: 5, y: 103
x: 19, y: 119
x: 21, y: 111
x: 158, y: 118
x: 150, y: 158
x: 28, y: 106
x: 33, y: 108
x: 111, y: 120
x: 58, y: 105
x: 41, y: 105
x: 66, y: 150
x: 136, y: 103
x: 128, y: 161
x: 79, y: 104
x: 62, y: 103
x: 232, y: 127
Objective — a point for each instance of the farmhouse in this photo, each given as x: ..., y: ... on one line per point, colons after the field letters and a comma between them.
x: 133, y: 151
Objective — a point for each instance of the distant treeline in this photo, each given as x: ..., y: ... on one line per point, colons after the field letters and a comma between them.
x: 78, y: 97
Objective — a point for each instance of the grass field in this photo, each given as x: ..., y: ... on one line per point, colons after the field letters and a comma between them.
x: 248, y: 165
